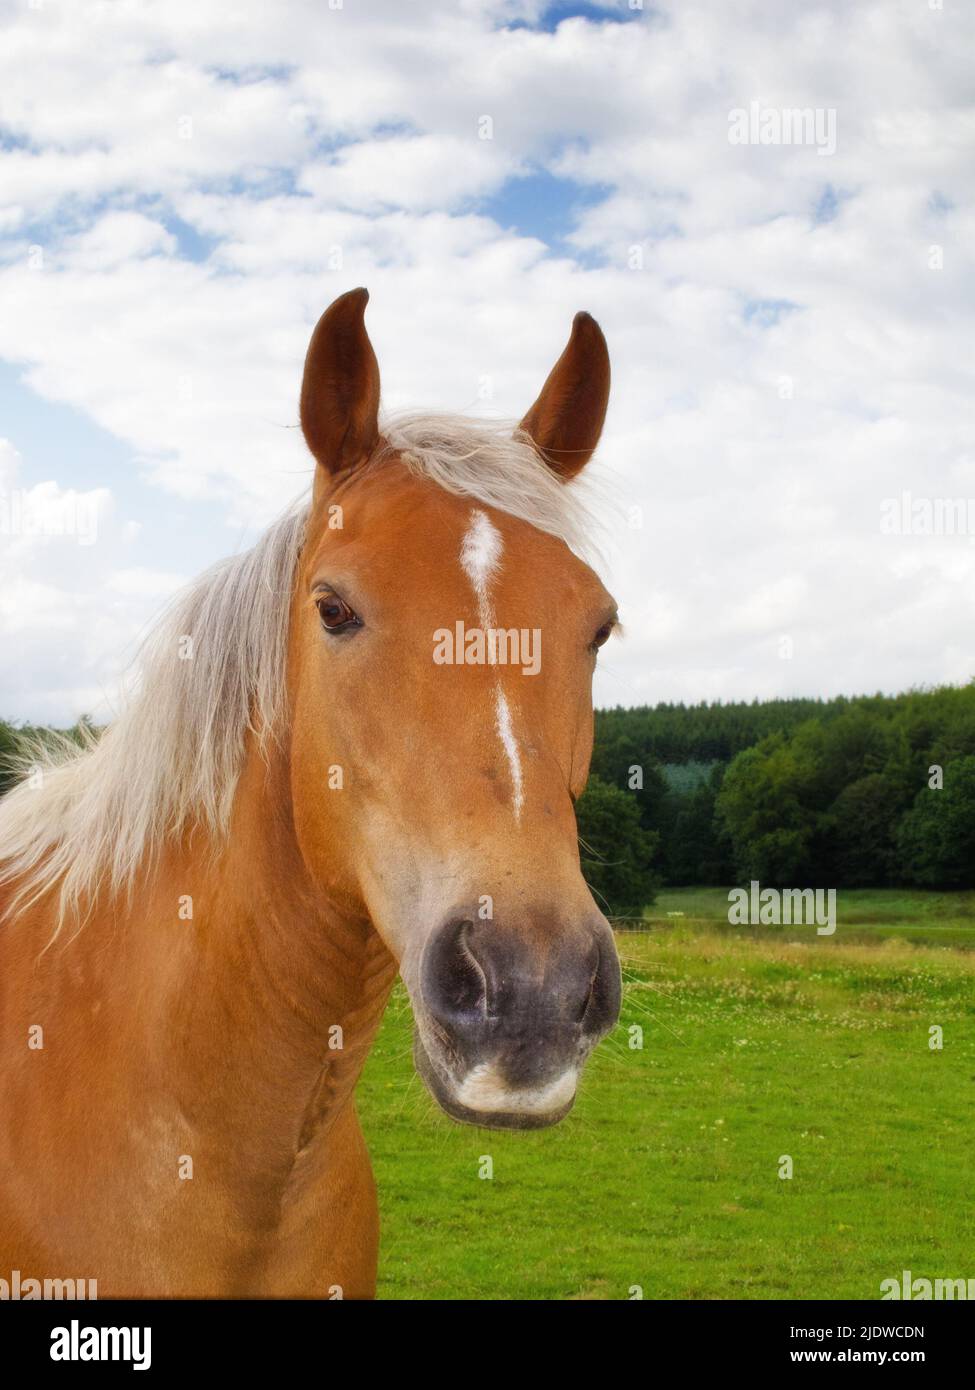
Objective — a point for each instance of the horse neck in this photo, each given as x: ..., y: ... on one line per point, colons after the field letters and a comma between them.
x: 275, y: 993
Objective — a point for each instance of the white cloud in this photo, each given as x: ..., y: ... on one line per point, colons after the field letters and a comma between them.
x: 421, y: 172
x: 69, y: 615
x: 115, y: 238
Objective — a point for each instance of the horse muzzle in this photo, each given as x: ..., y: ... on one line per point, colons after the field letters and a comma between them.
x: 506, y: 1019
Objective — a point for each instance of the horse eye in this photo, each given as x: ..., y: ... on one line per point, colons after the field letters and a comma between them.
x: 603, y: 634
x: 335, y: 613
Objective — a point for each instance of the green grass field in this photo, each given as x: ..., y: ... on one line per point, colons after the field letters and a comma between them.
x: 863, y: 915
x: 666, y: 1175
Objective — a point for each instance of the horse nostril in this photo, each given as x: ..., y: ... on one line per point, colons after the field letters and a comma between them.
x: 602, y: 1005
x: 589, y: 995
x: 454, y: 984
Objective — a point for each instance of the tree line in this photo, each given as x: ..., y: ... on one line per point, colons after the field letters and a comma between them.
x: 871, y: 791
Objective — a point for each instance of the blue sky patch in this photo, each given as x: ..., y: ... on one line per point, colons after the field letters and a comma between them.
x: 542, y: 205
x: 766, y: 313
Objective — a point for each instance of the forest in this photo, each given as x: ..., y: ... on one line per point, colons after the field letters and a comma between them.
x: 853, y: 792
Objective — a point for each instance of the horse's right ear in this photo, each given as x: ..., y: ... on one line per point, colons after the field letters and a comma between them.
x: 340, y: 387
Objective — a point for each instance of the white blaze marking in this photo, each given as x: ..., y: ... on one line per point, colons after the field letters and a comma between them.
x: 485, y: 1090
x: 510, y: 745
x: 480, y: 558
x: 480, y: 555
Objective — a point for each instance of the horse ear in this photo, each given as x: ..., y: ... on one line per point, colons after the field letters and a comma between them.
x: 340, y: 387
x: 566, y: 421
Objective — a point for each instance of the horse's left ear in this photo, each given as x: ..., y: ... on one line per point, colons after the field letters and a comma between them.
x: 567, y: 419
x: 340, y: 387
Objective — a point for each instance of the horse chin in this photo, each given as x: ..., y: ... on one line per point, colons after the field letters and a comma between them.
x: 541, y: 1109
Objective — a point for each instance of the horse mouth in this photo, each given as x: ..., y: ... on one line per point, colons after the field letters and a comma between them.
x: 480, y: 1100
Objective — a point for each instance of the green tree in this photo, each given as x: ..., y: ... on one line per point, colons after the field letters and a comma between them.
x: 698, y: 848
x: 768, y: 804
x: 936, y: 841
x: 616, y: 851
x: 8, y: 752
x: 864, y: 819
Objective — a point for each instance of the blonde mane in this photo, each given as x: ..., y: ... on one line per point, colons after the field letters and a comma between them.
x: 214, y: 671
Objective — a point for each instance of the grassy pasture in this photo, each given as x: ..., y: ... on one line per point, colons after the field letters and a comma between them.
x: 757, y: 1044
x: 863, y: 914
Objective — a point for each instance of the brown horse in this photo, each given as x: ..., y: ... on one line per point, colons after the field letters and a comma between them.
x: 354, y: 749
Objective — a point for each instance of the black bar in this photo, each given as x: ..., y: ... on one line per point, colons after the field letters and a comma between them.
x: 276, y: 1336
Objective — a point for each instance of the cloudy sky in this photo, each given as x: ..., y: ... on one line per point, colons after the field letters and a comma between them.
x: 185, y: 185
